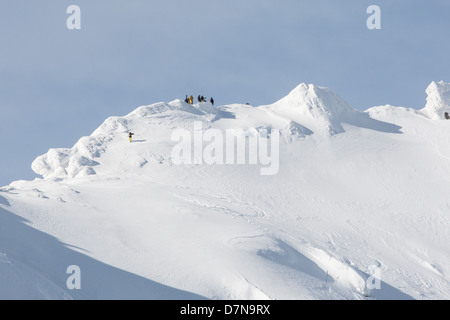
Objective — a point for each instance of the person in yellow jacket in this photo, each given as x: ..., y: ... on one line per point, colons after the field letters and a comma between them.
x: 191, y: 100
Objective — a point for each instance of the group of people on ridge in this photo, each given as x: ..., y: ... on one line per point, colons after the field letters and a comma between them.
x: 189, y: 100
x: 200, y: 98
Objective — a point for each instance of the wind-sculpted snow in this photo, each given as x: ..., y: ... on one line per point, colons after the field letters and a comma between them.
x: 438, y: 100
x: 78, y: 161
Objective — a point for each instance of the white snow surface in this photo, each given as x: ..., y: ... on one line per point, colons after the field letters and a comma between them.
x: 359, y: 208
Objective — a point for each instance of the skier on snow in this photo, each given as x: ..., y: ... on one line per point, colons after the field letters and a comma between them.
x: 130, y: 136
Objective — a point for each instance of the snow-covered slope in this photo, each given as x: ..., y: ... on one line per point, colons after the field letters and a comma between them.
x: 358, y: 207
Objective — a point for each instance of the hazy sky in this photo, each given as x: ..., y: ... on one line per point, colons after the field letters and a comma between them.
x: 57, y: 85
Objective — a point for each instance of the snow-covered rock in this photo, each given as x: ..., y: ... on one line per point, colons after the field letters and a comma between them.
x: 438, y: 100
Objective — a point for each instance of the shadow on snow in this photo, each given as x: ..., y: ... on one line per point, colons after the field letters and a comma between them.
x: 33, y: 265
x: 363, y: 120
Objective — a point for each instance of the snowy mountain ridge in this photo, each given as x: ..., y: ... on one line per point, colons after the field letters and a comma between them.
x: 306, y: 110
x: 358, y: 209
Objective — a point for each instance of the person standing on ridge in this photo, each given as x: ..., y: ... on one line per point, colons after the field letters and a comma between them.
x: 191, y: 100
x: 211, y: 100
x: 187, y: 99
x: 447, y: 116
x: 130, y: 136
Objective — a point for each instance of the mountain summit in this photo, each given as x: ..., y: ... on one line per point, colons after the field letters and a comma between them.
x: 317, y: 108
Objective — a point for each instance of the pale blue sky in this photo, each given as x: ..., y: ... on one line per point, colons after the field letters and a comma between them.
x: 58, y: 85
